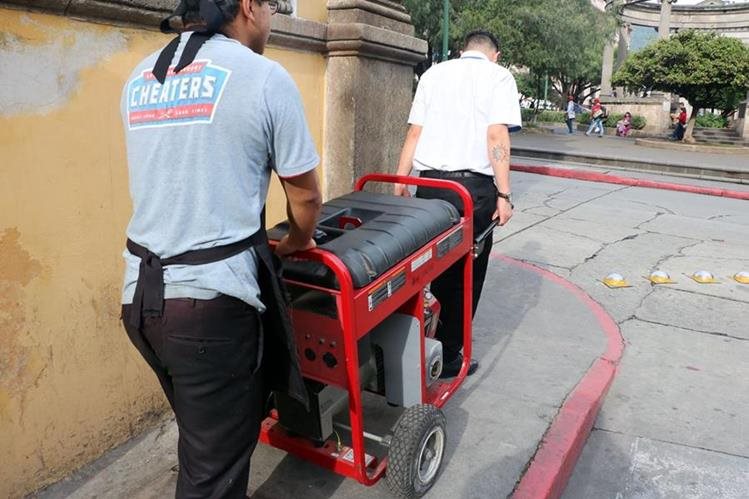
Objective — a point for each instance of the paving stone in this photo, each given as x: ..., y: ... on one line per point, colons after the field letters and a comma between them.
x: 681, y: 386
x: 624, y: 466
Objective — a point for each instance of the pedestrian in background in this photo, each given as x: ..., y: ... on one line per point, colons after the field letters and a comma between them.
x: 624, y: 125
x: 597, y: 114
x: 681, y: 123
x: 571, y: 109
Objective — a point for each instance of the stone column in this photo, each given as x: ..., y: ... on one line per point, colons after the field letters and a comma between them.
x: 665, y: 22
x: 622, y: 47
x: 608, y: 68
x: 622, y: 51
x: 612, y: 48
x: 743, y: 119
x: 664, y: 28
x: 369, y: 86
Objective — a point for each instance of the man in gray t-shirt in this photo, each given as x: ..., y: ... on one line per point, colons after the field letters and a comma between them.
x: 202, y: 140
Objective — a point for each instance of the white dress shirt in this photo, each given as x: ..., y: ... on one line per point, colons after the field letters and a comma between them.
x: 455, y: 103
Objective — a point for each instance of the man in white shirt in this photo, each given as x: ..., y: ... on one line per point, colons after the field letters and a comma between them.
x: 460, y: 121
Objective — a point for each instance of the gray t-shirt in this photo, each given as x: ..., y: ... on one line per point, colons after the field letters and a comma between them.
x: 200, y: 152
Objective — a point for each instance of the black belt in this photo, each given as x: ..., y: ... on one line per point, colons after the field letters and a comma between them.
x: 148, y: 300
x: 453, y: 174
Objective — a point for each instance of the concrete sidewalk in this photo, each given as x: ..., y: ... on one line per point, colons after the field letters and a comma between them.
x: 673, y: 424
x: 623, y: 153
x: 532, y: 355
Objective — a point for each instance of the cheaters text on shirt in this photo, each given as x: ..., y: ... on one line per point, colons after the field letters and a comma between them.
x: 189, y: 97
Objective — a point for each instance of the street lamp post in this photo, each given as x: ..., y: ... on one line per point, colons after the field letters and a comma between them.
x: 445, y: 27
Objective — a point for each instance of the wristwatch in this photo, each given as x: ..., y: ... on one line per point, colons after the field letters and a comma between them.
x: 507, y: 196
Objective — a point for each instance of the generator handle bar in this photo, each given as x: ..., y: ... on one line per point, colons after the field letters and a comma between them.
x: 387, y: 178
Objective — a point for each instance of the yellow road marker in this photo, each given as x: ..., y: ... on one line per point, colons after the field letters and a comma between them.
x: 615, y: 281
x: 660, y: 277
x: 704, y: 277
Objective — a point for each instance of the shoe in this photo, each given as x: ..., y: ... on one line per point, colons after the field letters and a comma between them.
x: 452, y: 368
x: 587, y: 134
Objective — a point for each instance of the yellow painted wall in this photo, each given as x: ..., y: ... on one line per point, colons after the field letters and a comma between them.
x: 315, y: 10
x: 308, y: 71
x: 71, y: 385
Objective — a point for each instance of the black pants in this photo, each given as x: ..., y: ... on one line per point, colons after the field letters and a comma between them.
x: 205, y: 354
x: 570, y: 121
x: 448, y: 288
x: 679, y: 131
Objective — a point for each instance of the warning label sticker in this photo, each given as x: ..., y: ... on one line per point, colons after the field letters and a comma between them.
x: 421, y: 259
x: 348, y: 455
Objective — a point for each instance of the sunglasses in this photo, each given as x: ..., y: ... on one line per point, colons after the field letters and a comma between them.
x: 273, y: 4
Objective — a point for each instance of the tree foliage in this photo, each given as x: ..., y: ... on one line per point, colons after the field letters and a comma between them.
x: 427, y: 21
x: 561, y: 39
x: 426, y: 16
x: 709, y: 70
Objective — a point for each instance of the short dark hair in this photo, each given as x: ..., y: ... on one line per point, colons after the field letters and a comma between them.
x: 229, y: 9
x: 481, y: 37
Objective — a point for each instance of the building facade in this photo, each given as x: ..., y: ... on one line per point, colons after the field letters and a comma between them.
x: 71, y: 385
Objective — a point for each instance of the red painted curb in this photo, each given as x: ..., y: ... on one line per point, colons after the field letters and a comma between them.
x: 560, y: 448
x: 636, y: 182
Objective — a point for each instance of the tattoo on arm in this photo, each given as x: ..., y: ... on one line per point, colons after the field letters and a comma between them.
x: 499, y: 153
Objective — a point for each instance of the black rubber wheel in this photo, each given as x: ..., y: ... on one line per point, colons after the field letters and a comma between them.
x: 416, y: 451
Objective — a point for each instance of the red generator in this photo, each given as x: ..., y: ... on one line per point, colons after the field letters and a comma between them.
x: 364, y: 327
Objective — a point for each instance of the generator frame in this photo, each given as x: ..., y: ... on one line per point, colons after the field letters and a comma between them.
x: 356, y: 318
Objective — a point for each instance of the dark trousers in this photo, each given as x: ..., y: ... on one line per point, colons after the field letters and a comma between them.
x: 570, y: 121
x: 205, y: 354
x: 448, y: 287
x: 679, y: 131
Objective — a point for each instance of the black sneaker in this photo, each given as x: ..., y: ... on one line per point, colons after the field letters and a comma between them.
x: 452, y: 368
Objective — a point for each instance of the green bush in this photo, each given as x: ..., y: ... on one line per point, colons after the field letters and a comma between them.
x: 711, y: 121
x: 612, y: 119
x: 543, y: 116
x: 638, y: 122
x: 552, y: 116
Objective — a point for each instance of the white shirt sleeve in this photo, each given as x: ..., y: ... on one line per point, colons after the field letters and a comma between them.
x: 419, y: 106
x: 505, y: 104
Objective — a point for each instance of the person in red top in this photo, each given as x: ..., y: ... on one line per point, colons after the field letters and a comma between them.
x: 681, y: 123
x: 597, y: 115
